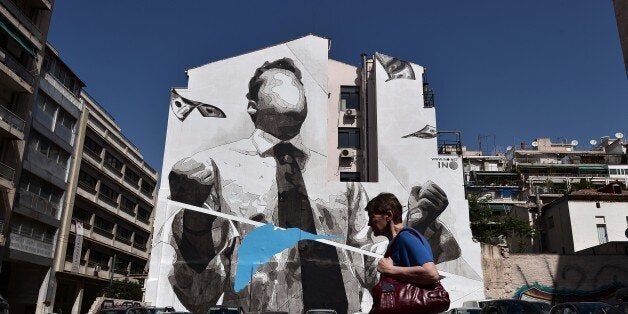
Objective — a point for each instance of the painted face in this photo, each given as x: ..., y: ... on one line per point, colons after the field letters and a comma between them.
x: 281, y: 105
x: 378, y: 223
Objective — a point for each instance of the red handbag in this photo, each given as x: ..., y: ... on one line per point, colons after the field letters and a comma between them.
x: 394, y: 297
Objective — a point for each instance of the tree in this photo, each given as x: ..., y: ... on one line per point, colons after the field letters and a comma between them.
x: 487, y: 227
x: 127, y: 290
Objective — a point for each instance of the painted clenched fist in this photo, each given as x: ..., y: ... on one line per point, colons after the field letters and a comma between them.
x: 191, y: 181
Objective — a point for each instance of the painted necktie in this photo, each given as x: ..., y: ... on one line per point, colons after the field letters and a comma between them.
x: 321, y: 277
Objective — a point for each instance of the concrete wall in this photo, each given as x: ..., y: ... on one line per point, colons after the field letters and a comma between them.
x: 552, y: 277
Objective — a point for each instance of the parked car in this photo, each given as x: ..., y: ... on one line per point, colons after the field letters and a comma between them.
x: 475, y: 303
x: 510, y: 306
x: 150, y: 310
x: 465, y: 310
x: 583, y: 308
x: 225, y: 309
x: 544, y: 307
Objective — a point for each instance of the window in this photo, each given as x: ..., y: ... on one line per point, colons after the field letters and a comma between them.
x: 113, y: 162
x: 137, y: 267
x: 123, y: 233
x: 349, y: 97
x: 92, y: 145
x: 349, y: 177
x: 81, y: 215
x: 46, y: 104
x: 127, y: 205
x: 103, y: 224
x: 602, y: 235
x: 87, y: 180
x: 349, y: 137
x: 47, y: 148
x: 597, y: 204
x: 143, y: 214
x: 41, y: 188
x: 109, y: 193
x: 99, y: 258
x: 65, y: 119
x: 131, y: 176
x: 147, y: 188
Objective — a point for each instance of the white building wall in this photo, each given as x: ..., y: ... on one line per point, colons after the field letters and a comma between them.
x: 583, y: 222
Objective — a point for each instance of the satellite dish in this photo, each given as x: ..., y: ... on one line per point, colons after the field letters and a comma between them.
x: 509, y: 148
x: 535, y: 144
x: 574, y: 143
x: 592, y: 142
x: 619, y: 135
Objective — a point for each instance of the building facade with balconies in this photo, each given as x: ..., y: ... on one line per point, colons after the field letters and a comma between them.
x: 42, y: 189
x: 23, y: 31
x: 105, y: 232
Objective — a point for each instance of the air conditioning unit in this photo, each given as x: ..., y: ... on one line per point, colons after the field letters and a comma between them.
x: 350, y: 112
x: 347, y: 153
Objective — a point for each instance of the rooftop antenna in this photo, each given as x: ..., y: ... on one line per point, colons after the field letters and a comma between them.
x: 574, y: 143
x: 509, y: 148
x: 619, y: 135
x: 593, y: 142
x: 535, y: 144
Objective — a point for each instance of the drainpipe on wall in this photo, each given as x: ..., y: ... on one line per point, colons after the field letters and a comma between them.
x: 364, y: 107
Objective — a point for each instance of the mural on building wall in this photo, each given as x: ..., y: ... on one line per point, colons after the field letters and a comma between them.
x: 272, y: 177
x: 182, y: 107
x: 396, y: 68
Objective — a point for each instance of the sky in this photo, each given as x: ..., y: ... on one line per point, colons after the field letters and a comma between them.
x: 504, y: 71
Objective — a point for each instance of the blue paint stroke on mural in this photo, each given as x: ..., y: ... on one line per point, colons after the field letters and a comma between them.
x: 259, y: 245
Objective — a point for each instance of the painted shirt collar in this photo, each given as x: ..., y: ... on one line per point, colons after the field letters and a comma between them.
x: 265, y: 142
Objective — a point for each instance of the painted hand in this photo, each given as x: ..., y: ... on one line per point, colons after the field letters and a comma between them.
x: 425, y: 204
x: 385, y: 265
x: 191, y: 181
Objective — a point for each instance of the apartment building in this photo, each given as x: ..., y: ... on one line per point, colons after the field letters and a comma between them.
x: 23, y: 31
x: 105, y: 233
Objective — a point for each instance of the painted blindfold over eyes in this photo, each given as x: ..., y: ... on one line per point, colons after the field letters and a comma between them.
x: 182, y: 107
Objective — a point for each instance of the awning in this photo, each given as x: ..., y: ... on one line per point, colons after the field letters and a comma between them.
x: 8, y: 29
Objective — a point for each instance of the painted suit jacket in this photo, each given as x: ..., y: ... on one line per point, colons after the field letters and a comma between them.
x: 247, y: 187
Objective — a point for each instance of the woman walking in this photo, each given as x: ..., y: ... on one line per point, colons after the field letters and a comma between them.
x: 408, y: 261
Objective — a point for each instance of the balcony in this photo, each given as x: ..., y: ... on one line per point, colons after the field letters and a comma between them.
x: 11, y: 124
x: 37, y: 203
x: 29, y: 243
x: 108, y: 200
x: 6, y: 173
x: 94, y: 155
x: 87, y: 187
x: 23, y: 18
x: 13, y: 71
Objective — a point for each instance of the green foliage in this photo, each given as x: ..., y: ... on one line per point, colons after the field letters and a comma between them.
x: 127, y: 290
x: 486, y: 226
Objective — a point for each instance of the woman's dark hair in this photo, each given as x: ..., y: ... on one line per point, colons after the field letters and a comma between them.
x: 384, y: 202
x: 283, y: 64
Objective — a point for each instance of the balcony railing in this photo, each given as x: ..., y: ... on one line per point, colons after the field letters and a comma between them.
x: 16, y: 67
x: 88, y: 187
x: 108, y: 200
x: 93, y: 154
x: 22, y: 17
x: 103, y: 232
x: 37, y: 203
x: 123, y: 239
x: 139, y: 246
x: 12, y: 119
x: 7, y: 172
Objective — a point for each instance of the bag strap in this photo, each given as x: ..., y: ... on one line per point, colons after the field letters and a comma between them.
x: 409, y: 229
